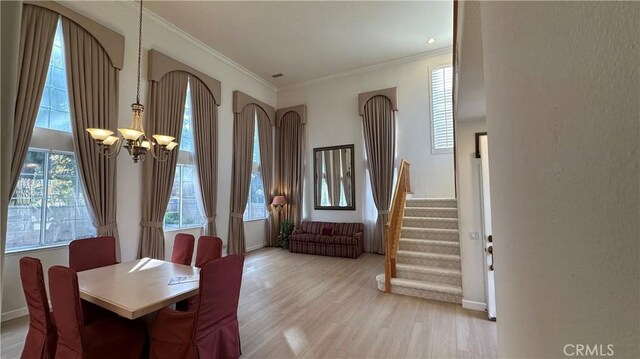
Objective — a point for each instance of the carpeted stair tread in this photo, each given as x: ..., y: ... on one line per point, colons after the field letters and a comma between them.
x: 429, y: 270
x: 439, y: 212
x: 432, y: 202
x: 433, y: 287
x: 432, y: 230
x: 433, y: 256
x: 453, y: 220
x: 431, y: 242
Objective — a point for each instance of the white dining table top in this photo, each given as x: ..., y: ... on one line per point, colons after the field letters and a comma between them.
x: 136, y: 288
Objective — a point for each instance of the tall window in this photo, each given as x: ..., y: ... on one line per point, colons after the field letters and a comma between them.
x: 183, y: 210
x: 48, y: 205
x: 442, y: 110
x: 256, y: 206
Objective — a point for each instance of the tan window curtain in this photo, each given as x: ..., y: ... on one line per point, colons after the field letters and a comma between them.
x: 205, y: 138
x: 36, y: 42
x: 165, y: 116
x: 243, y: 132
x: 379, y: 125
x: 265, y: 134
x: 93, y: 95
x: 291, y: 142
x: 10, y: 23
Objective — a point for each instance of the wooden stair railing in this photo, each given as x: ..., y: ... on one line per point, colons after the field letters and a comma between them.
x: 393, y: 226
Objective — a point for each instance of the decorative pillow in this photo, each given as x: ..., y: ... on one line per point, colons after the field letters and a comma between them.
x: 327, y: 230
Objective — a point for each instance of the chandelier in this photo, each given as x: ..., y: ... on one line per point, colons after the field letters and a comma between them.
x: 134, y: 138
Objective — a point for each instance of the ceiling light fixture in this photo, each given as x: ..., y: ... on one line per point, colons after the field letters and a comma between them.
x: 134, y: 138
x: 431, y: 41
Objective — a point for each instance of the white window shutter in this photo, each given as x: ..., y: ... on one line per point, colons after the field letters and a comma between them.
x: 442, y: 108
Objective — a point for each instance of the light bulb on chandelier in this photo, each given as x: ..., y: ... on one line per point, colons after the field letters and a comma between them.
x: 134, y: 138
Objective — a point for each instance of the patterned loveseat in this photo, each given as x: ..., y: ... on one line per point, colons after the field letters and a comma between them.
x: 328, y: 239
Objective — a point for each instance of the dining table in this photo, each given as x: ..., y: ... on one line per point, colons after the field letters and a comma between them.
x: 137, y: 288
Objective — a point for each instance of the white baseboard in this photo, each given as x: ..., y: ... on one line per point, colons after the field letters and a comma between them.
x: 473, y: 305
x: 16, y: 313
x: 253, y: 248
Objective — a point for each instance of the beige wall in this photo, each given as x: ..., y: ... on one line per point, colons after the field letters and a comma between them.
x: 469, y: 214
x: 562, y: 89
x: 123, y: 18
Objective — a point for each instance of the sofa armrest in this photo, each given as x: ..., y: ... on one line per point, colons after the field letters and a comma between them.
x: 296, y: 231
x: 360, y: 238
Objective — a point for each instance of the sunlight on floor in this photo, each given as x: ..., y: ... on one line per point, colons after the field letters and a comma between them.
x: 296, y: 339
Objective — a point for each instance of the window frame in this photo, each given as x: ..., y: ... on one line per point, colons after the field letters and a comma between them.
x: 434, y: 150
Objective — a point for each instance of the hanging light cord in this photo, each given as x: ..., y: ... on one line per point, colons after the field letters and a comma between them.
x: 139, y: 54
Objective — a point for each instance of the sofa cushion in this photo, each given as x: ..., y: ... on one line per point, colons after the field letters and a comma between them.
x: 347, y: 229
x: 343, y: 240
x: 328, y: 229
x: 306, y: 237
x: 312, y: 227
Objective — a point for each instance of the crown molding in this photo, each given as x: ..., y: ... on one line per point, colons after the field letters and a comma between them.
x: 375, y: 67
x: 130, y: 4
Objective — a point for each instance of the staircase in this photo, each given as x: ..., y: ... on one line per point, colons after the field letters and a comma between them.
x: 428, y: 253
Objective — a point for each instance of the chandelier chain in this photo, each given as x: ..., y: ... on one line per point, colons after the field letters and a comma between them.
x: 139, y: 53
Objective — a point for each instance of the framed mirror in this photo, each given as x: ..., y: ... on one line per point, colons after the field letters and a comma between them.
x: 334, y: 183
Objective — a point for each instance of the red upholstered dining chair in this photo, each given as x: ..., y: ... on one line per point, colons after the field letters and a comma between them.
x: 211, y: 329
x: 41, y: 337
x: 112, y: 337
x: 90, y: 253
x: 183, y: 249
x: 209, y: 248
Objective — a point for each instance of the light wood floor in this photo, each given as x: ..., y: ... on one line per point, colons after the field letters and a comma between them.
x: 297, y: 305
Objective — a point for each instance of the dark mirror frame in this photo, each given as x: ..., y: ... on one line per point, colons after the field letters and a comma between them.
x: 353, y: 179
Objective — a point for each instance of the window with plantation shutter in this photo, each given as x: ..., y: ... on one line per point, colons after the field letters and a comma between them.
x: 441, y: 110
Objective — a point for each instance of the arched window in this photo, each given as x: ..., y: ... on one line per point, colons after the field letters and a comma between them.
x: 48, y: 204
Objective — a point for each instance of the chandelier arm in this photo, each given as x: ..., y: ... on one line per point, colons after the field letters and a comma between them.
x: 112, y: 151
x: 162, y: 156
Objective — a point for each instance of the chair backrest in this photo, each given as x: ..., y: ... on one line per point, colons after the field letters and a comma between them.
x: 209, y: 248
x: 219, y: 292
x: 35, y: 293
x: 89, y: 253
x: 43, y: 343
x: 65, y: 299
x: 183, y: 249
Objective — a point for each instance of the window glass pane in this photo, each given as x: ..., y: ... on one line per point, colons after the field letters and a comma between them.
x: 186, y: 141
x: 67, y: 217
x: 54, y: 105
x: 25, y: 207
x: 172, y: 215
x: 256, y: 207
x: 190, y: 211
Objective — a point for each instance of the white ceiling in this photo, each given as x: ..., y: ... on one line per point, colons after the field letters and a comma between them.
x: 311, y: 40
